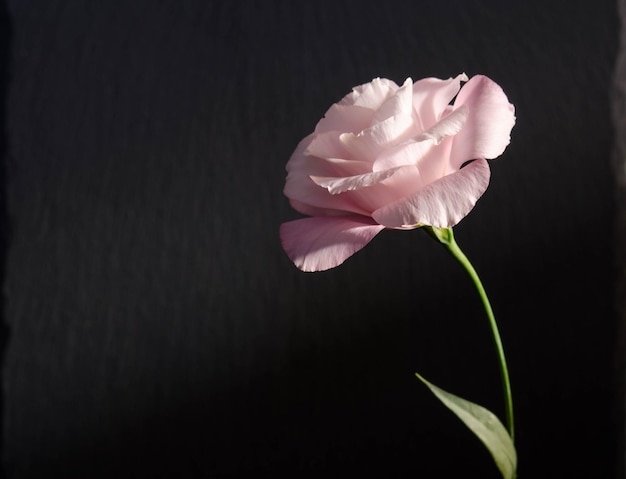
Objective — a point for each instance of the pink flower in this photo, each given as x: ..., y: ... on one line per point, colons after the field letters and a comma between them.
x: 389, y: 156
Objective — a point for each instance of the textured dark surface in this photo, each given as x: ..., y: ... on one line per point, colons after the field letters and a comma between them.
x: 618, y: 104
x: 156, y: 328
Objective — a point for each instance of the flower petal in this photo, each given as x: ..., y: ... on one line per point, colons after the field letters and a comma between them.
x: 370, y: 95
x: 431, y: 96
x: 300, y: 187
x: 326, y: 145
x: 345, y: 118
x: 333, y: 155
x: 309, y: 210
x: 448, y: 126
x: 403, y: 182
x: 442, y: 203
x: 318, y: 244
x: 409, y: 153
x: 336, y: 185
x: 400, y: 103
x: 391, y: 130
x: 370, y: 142
x: 491, y: 117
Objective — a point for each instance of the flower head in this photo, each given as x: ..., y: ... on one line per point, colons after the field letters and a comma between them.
x: 389, y: 156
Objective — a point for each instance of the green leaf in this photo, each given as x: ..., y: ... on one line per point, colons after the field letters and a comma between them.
x: 485, y: 425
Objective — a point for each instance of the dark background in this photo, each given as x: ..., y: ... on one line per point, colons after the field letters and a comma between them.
x: 155, y: 328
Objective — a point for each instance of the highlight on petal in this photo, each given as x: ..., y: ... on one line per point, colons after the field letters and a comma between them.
x: 409, y: 153
x: 370, y: 95
x: 326, y: 145
x: 370, y: 142
x: 442, y: 203
x: 448, y: 126
x: 318, y: 244
x: 488, y: 127
x: 431, y: 96
x: 391, y: 130
x: 400, y: 103
x: 360, y: 146
x: 345, y: 118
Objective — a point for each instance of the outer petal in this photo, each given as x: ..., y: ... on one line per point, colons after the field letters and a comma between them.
x: 488, y: 127
x: 318, y: 244
x: 443, y: 203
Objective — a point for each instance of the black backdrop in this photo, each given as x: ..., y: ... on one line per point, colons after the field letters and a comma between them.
x: 155, y: 326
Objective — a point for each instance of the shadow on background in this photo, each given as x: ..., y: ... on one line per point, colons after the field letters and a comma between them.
x: 5, y: 55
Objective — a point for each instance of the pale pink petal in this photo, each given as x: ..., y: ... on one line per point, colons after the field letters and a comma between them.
x: 442, y: 203
x: 403, y: 182
x: 336, y: 185
x: 315, y: 155
x: 409, y: 153
x: 300, y: 187
x: 328, y: 147
x: 366, y: 200
x: 309, y: 210
x: 370, y: 142
x: 318, y: 244
x: 370, y: 95
x: 391, y: 130
x: 298, y: 157
x: 425, y: 146
x: 360, y: 147
x: 343, y: 167
x: 435, y: 163
x: 448, y: 126
x: 345, y: 118
x: 488, y: 127
x: 431, y: 96
x: 401, y: 103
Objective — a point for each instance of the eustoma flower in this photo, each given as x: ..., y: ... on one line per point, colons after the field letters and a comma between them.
x: 389, y: 156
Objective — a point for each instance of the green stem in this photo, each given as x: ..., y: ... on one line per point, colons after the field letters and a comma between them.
x: 446, y: 237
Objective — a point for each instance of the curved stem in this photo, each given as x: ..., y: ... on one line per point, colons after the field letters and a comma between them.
x: 446, y: 237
